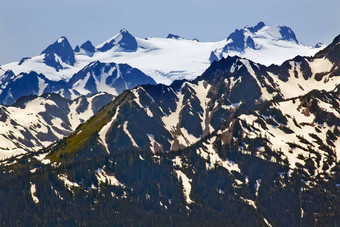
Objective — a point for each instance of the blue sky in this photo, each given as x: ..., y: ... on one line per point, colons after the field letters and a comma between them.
x: 28, y: 27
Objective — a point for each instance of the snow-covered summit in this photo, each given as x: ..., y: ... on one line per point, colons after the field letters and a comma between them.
x: 264, y: 44
x: 318, y: 45
x: 58, y: 53
x: 244, y: 38
x: 280, y: 32
x: 123, y: 41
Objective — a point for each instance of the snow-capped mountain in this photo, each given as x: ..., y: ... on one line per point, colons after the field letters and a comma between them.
x: 59, y: 54
x: 243, y: 141
x: 263, y: 44
x: 33, y: 123
x: 107, y: 77
x: 166, y: 59
x: 122, y: 42
x: 95, y: 77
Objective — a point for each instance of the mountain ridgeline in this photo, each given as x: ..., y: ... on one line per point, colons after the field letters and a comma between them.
x: 242, y: 144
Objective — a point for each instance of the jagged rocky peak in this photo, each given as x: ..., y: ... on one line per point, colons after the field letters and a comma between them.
x: 225, y: 64
x: 242, y: 38
x: 77, y: 49
x: 331, y: 51
x: 23, y: 60
x: 287, y: 34
x: 319, y: 45
x: 86, y: 48
x: 59, y: 50
x: 257, y: 27
x: 124, y: 41
x: 172, y: 36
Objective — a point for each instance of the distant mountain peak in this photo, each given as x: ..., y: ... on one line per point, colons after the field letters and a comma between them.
x: 255, y: 37
x: 85, y: 48
x: 62, y: 39
x: 331, y: 51
x: 123, y: 40
x: 287, y: 33
x: 318, y: 45
x: 77, y: 49
x: 60, y: 48
x: 173, y: 36
x: 256, y: 28
x: 88, y: 48
x: 242, y: 38
x: 124, y: 30
x: 239, y: 40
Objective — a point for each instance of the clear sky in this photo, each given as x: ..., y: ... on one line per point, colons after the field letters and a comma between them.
x: 28, y: 26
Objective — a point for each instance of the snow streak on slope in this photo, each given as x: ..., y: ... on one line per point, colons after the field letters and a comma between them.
x: 69, y: 184
x: 126, y: 131
x: 102, y: 133
x: 106, y: 178
x: 33, y: 192
x: 186, y: 183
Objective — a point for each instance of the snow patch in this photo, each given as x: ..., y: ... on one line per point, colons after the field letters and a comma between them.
x: 102, y: 133
x: 69, y: 184
x: 105, y: 178
x: 209, y: 153
x: 33, y: 191
x: 128, y: 134
x: 177, y: 161
x: 186, y: 182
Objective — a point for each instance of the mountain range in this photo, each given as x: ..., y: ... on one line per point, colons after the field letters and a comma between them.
x: 163, y: 59
x: 244, y: 143
x: 177, y: 116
